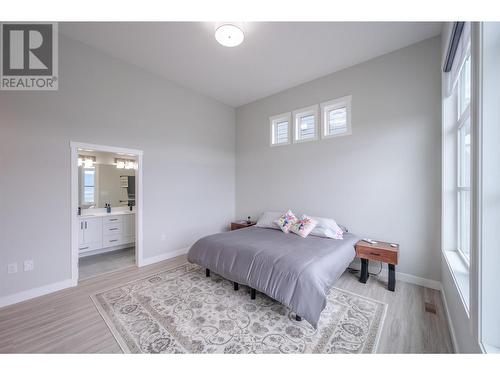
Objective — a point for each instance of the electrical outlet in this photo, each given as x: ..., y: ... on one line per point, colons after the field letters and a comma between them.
x: 29, y: 265
x: 12, y: 268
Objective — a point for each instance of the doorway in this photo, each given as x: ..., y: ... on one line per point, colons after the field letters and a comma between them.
x: 106, y: 209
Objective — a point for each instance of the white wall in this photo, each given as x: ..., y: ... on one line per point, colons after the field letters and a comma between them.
x: 490, y: 254
x: 189, y: 160
x: 383, y: 181
x: 460, y: 325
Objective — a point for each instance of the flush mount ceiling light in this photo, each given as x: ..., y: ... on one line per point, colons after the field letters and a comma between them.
x: 229, y: 35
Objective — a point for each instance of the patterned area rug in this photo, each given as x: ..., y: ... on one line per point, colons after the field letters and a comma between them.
x: 182, y: 311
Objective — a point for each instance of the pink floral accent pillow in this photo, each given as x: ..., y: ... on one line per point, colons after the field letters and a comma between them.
x: 286, y: 220
x: 303, y: 226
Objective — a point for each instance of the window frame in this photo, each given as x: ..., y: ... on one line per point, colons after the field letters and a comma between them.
x: 273, y: 121
x: 326, y: 107
x: 303, y: 112
x: 461, y: 119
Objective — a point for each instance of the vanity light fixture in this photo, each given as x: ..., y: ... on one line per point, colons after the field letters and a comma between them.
x: 125, y: 164
x: 86, y: 161
x: 229, y: 35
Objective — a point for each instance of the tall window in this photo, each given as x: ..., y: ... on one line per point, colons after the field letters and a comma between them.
x: 462, y: 92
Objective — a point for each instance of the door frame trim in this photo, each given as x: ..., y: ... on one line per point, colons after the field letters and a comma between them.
x: 74, y: 146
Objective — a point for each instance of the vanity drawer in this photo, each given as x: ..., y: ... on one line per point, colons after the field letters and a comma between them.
x: 112, y: 228
x: 112, y: 219
x: 83, y: 248
x: 113, y: 240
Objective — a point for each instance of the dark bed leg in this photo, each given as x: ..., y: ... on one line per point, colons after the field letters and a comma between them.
x: 252, y: 293
x: 207, y: 272
x: 236, y: 286
x: 298, y: 318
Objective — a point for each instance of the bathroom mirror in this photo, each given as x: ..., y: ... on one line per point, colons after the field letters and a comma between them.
x: 106, y: 178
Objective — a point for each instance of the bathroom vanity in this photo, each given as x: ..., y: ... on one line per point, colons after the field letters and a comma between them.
x: 100, y: 232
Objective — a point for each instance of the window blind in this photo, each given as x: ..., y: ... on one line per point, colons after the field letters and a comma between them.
x: 337, y: 121
x: 306, y: 128
x: 460, y: 56
x: 281, y: 132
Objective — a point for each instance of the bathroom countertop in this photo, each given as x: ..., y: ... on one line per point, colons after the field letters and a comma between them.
x: 103, y: 214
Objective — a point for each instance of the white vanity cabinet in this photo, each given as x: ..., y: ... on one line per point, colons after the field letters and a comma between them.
x: 106, y: 233
x: 118, y: 230
x: 90, y: 235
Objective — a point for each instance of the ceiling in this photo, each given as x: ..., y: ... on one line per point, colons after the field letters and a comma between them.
x: 273, y: 57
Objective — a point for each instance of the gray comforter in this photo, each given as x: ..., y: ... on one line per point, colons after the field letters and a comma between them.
x: 296, y: 271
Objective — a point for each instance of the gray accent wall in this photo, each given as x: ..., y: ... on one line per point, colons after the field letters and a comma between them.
x: 189, y: 160
x: 383, y: 181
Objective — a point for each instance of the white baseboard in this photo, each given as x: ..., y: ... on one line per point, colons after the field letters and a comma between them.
x: 450, y: 322
x: 35, y: 292
x: 51, y: 288
x: 162, y: 257
x: 40, y: 291
x: 412, y: 279
x: 427, y: 283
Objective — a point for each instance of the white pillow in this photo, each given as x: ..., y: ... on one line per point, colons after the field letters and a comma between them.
x: 327, y: 228
x: 286, y: 220
x: 267, y: 220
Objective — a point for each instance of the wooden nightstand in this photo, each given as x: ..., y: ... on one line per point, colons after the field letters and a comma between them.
x: 380, y: 251
x: 241, y: 224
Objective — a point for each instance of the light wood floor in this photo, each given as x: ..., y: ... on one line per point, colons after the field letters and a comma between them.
x: 408, y: 328
x: 98, y: 264
x: 68, y: 322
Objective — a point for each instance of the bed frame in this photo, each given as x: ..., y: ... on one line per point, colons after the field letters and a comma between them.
x: 253, y: 292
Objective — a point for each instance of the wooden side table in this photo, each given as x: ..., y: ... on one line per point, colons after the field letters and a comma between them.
x: 241, y: 224
x: 380, y: 251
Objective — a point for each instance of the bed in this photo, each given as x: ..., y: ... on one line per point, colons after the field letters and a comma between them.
x: 296, y: 271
